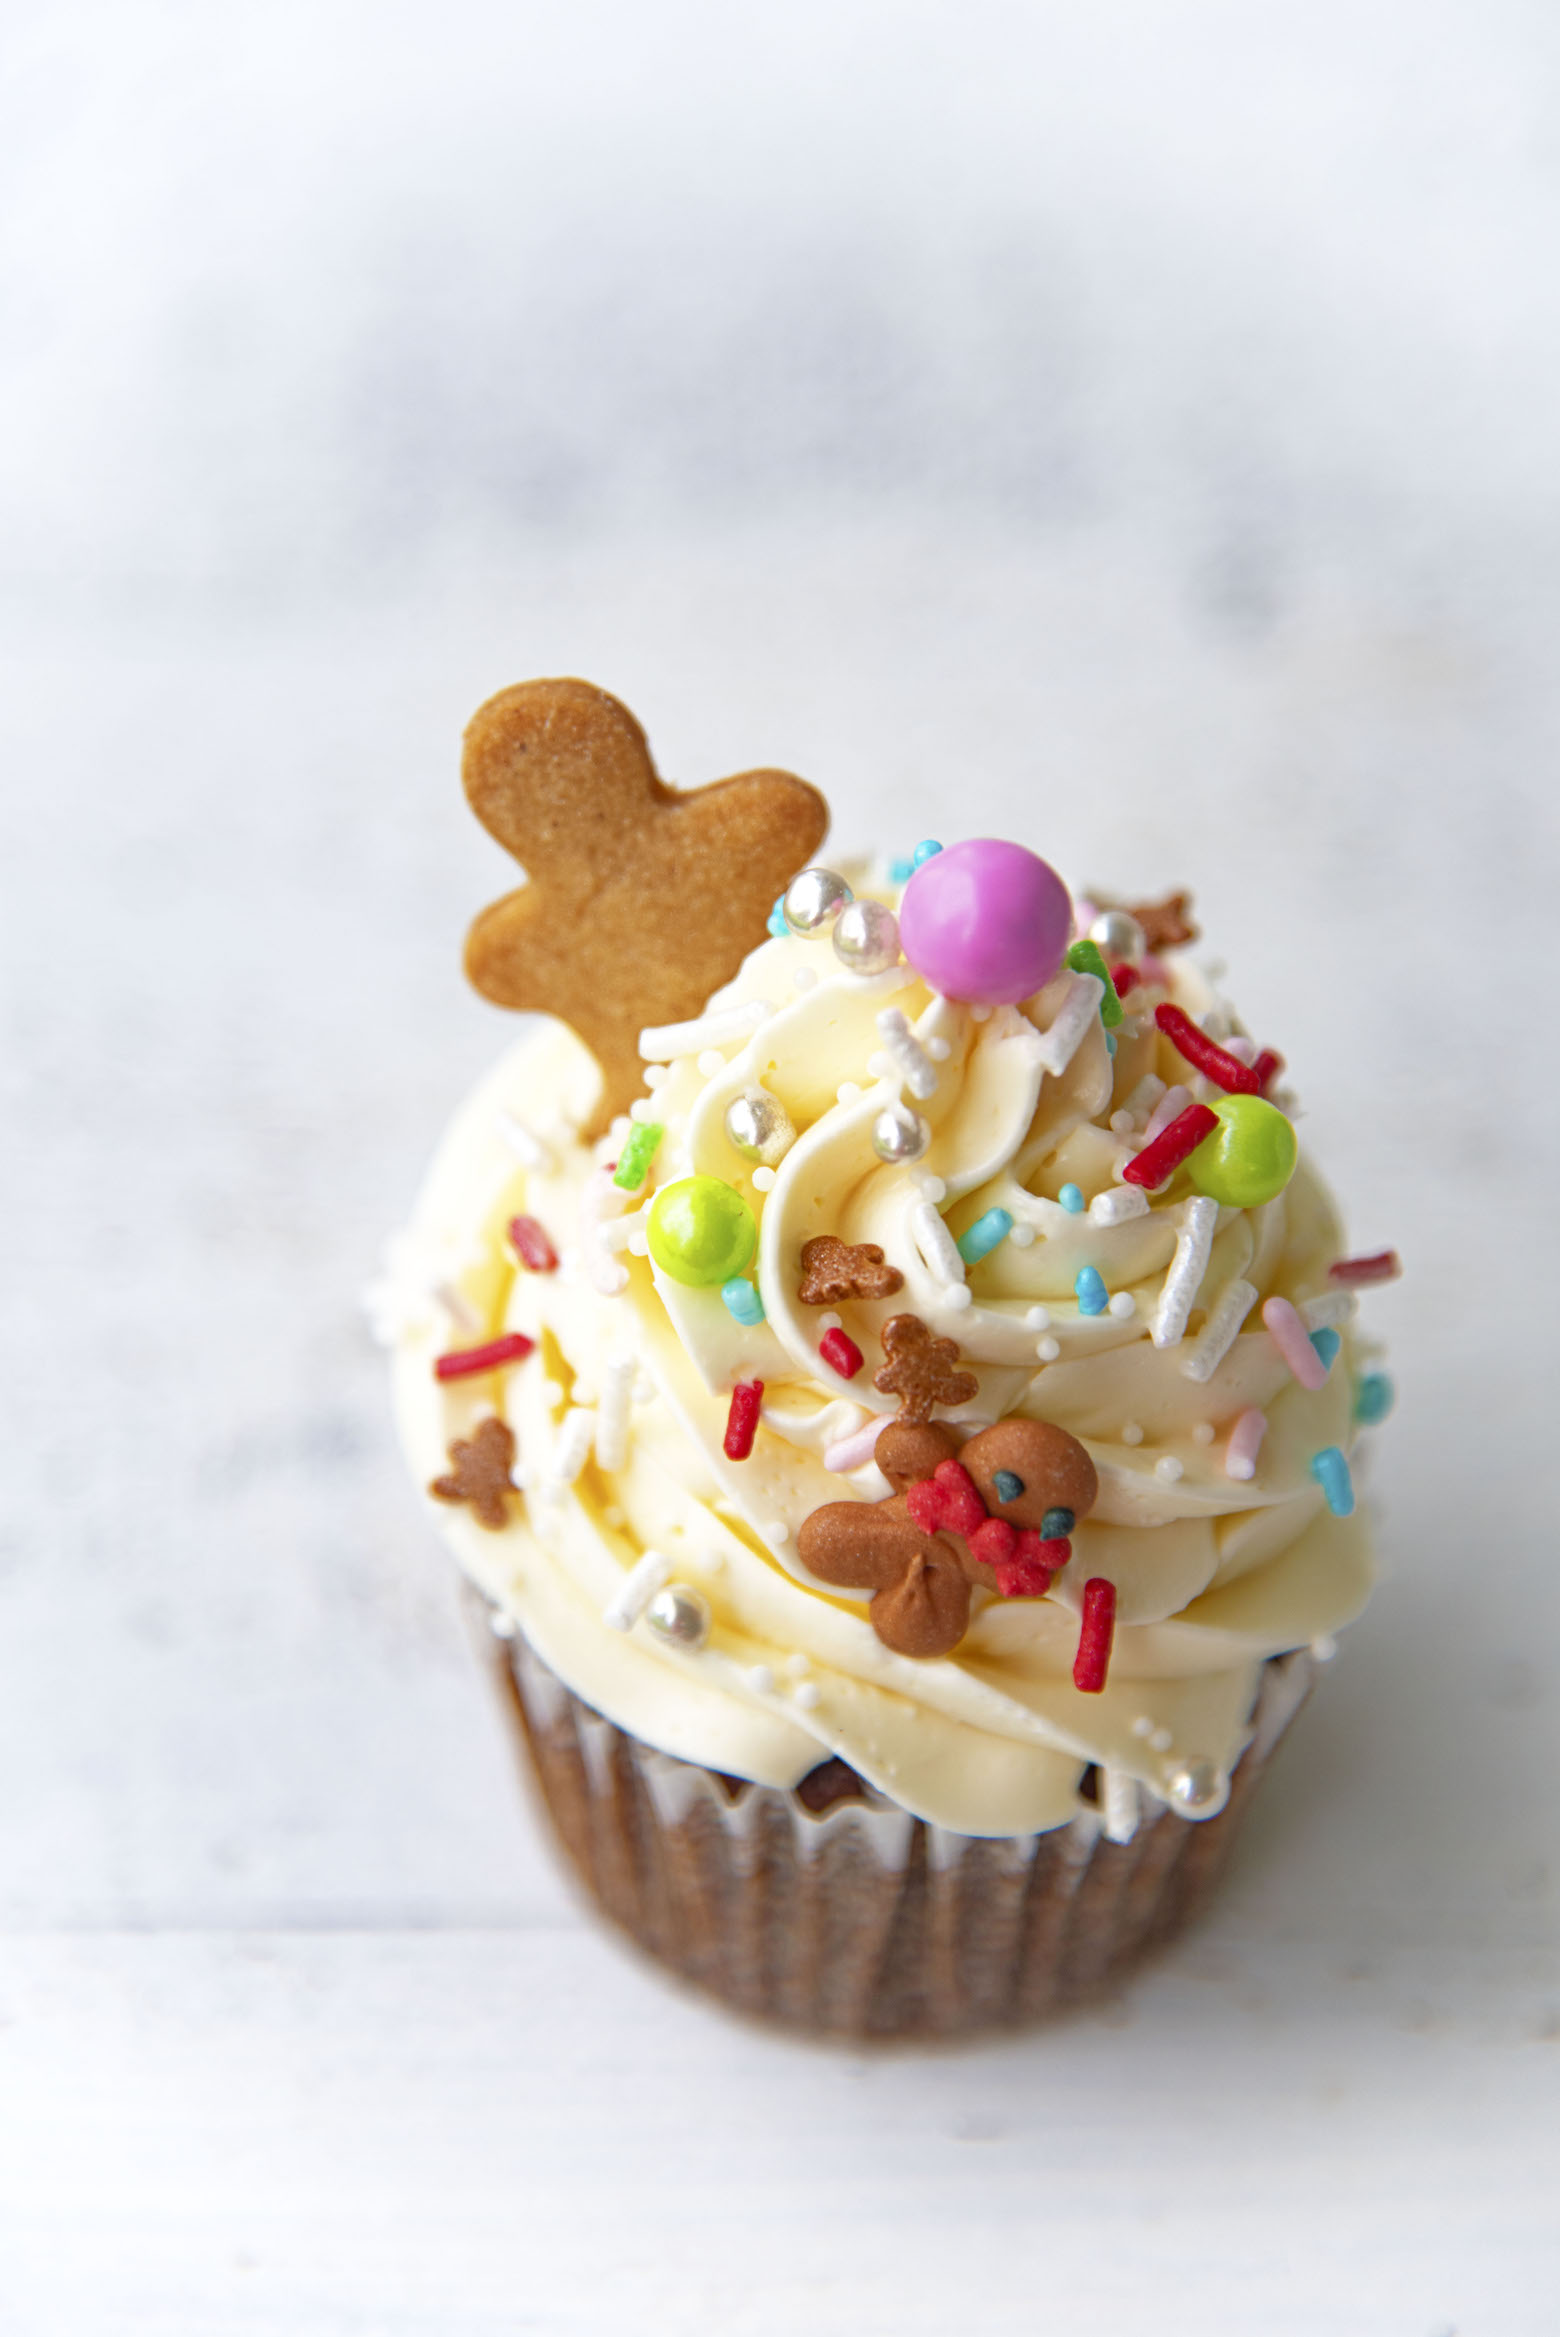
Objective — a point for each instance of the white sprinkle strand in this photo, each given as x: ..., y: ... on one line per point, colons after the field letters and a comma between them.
x: 634, y: 1593
x: 576, y: 1435
x: 1073, y: 1017
x: 527, y: 1147
x: 936, y: 1245
x: 1219, y: 1333
x: 663, y: 1042
x: 915, y: 1066
x: 612, y: 1417
x: 1328, y: 1311
x: 1240, y: 1454
x: 1144, y: 1096
x: 1187, y: 1268
x: 1169, y: 1107
x: 1122, y: 1806
x: 1116, y: 1206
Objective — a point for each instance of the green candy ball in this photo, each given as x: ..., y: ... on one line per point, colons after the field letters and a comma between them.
x: 701, y: 1231
x: 1249, y: 1158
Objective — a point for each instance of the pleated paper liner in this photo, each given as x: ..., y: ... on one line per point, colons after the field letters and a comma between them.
x: 850, y: 1917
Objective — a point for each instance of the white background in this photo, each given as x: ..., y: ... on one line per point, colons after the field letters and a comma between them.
x: 1132, y: 427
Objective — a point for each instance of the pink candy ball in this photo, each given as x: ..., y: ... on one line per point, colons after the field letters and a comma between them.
x: 985, y: 922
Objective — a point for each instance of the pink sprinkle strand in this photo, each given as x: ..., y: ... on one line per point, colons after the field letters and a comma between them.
x: 742, y: 1420
x: 853, y: 1452
x: 466, y: 1362
x: 1380, y: 1266
x: 1091, y: 1664
x: 1293, y: 1342
x: 1159, y: 1160
x: 840, y: 1352
x: 532, y: 1245
x: 1267, y: 1067
x: 1240, y: 1454
x: 1214, y: 1062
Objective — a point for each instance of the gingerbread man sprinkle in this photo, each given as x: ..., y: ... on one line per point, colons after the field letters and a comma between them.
x: 920, y: 1370
x: 833, y: 1270
x: 1166, y: 924
x: 641, y: 901
x: 480, y: 1473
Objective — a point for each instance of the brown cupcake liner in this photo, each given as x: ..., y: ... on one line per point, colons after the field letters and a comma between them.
x: 857, y: 1919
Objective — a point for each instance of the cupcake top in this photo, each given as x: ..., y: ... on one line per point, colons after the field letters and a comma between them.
x: 946, y: 1363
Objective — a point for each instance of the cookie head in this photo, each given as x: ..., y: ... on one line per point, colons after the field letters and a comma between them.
x: 1027, y: 1470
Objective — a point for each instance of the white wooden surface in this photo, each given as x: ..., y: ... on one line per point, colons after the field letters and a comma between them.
x: 1137, y: 434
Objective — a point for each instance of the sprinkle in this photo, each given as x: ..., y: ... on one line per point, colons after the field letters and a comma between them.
x: 1123, y: 1305
x: 1202, y: 1432
x: 612, y: 1416
x: 853, y: 1452
x: 1048, y: 1350
x: 1143, y: 1726
x: 1037, y: 1318
x: 1169, y: 1470
x: 466, y: 1362
x: 1187, y: 1268
x: 1110, y: 1043
x: 1266, y: 1068
x: 1172, y: 1102
x: 936, y: 1244
x: 761, y: 1680
x: 1144, y: 1097
x: 742, y: 1420
x: 1324, y: 1649
x: 900, y: 871
x: 1124, y: 979
x: 1092, y: 1662
x: 929, y: 1187
x: 1122, y: 1123
x: 1073, y: 1018
x: 1328, y: 1309
x: 915, y: 1066
x: 1245, y: 1442
x: 1071, y: 1199
x: 634, y: 1161
x: 805, y: 1695
x: 983, y: 1236
x: 1327, y: 1343
x: 1159, y: 1159
x: 777, y: 1533
x: 1218, y: 1334
x: 576, y: 1435
x: 847, y: 1092
x: 1293, y: 1342
x: 939, y: 1049
x: 1381, y: 1266
x: 1116, y: 1206
x: 664, y: 1041
x: 805, y: 978
x: 1373, y: 1398
x: 711, y: 1060
x: 1084, y: 958
x: 839, y: 1351
x: 1121, y: 1805
x: 532, y: 1245
x: 1131, y: 1433
x: 658, y: 1074
x: 634, y: 1593
x: 775, y: 922
x: 1023, y: 1237
x: 1093, y: 1297
x: 1213, y: 1061
x: 1331, y: 1472
x: 742, y: 1301
x: 527, y: 1147
x: 926, y: 850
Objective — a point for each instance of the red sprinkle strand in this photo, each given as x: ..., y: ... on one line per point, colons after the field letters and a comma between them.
x: 742, y: 1420
x: 1150, y: 1167
x: 1224, y: 1070
x: 840, y: 1353
x: 1380, y: 1266
x: 1267, y: 1067
x: 532, y: 1245
x: 1092, y: 1662
x: 1124, y: 978
x: 466, y: 1362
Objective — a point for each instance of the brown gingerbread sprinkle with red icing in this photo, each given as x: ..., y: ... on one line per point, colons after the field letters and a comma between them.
x: 479, y: 1473
x: 920, y: 1369
x: 833, y: 1271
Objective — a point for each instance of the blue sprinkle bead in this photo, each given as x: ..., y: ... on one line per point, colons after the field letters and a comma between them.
x: 900, y: 871
x: 1373, y: 1398
x: 1327, y: 1343
x: 984, y: 1235
x: 1071, y: 1200
x: 1331, y: 1472
x: 1093, y: 1297
x: 927, y: 850
x: 743, y: 1301
x: 1110, y: 1042
x: 777, y: 924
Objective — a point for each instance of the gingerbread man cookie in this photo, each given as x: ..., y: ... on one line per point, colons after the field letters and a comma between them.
x: 641, y: 900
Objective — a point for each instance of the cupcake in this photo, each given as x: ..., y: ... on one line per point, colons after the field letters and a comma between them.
x: 886, y: 1371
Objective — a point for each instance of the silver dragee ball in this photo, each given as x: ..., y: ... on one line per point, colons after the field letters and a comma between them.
x: 1198, y: 1788
x: 680, y: 1615
x: 1119, y: 936
x: 898, y: 1134
x: 759, y: 1126
x: 866, y: 937
x: 813, y: 900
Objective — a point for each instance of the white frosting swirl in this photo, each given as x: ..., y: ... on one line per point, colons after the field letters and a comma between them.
x: 1212, y: 1574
